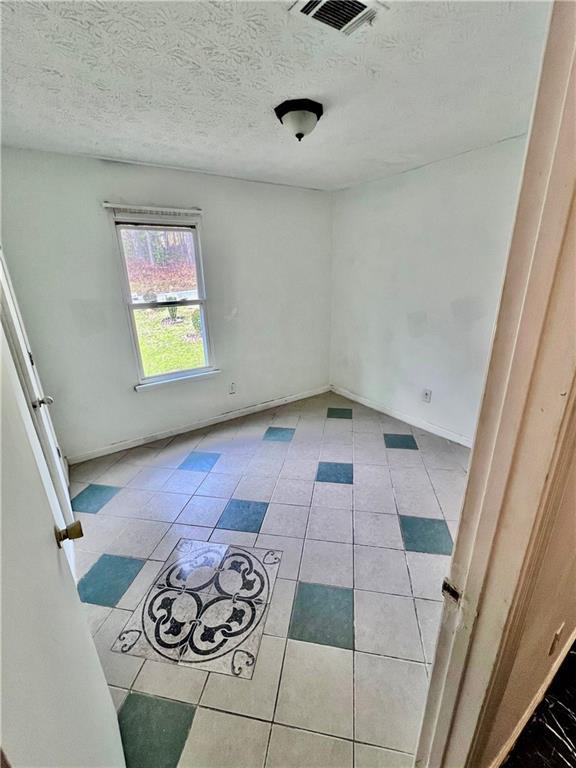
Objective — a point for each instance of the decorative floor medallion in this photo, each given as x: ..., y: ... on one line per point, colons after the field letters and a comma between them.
x: 205, y: 608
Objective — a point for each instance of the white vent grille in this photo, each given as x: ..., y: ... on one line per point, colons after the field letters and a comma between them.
x: 344, y: 16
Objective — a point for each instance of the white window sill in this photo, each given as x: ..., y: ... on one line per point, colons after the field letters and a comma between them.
x: 171, y: 379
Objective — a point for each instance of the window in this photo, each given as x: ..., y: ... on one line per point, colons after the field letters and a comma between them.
x: 165, y: 296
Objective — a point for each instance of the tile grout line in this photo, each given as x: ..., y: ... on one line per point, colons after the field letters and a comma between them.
x: 283, y: 662
x: 199, y: 705
x: 170, y: 523
x: 440, y: 505
x: 420, y: 635
x: 283, y: 655
x: 288, y: 725
x: 321, y: 584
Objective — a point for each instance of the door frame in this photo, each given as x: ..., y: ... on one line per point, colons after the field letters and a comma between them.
x: 32, y: 388
x: 490, y: 567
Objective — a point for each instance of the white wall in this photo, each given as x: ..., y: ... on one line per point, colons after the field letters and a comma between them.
x: 416, y: 265
x: 266, y: 258
x: 418, y: 262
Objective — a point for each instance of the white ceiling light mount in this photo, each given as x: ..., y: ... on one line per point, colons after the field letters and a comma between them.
x: 299, y: 116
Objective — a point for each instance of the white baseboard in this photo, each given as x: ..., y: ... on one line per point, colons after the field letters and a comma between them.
x: 414, y: 422
x: 226, y: 416
x: 135, y: 442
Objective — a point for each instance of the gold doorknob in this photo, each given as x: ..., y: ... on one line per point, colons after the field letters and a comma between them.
x: 72, y: 531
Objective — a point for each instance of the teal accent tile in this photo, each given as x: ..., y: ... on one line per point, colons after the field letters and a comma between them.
x: 401, y: 441
x: 339, y: 413
x: 93, y: 498
x: 279, y: 434
x: 154, y: 730
x: 323, y: 615
x: 424, y: 534
x: 108, y: 579
x: 240, y: 515
x: 335, y: 472
x: 200, y: 461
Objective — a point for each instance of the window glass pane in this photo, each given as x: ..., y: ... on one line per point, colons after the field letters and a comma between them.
x: 161, y: 263
x: 170, y: 339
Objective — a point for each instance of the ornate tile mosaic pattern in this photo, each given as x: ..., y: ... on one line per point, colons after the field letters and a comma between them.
x: 205, y: 608
x: 286, y: 591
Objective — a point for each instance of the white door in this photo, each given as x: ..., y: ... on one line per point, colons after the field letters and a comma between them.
x: 56, y: 708
x: 38, y: 402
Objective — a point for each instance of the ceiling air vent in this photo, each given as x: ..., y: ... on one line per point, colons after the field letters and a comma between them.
x: 345, y: 16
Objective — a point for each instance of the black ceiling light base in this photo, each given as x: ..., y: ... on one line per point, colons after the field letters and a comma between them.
x: 298, y: 105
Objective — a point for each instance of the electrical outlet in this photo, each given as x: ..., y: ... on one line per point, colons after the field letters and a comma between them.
x: 232, y: 389
x: 427, y: 395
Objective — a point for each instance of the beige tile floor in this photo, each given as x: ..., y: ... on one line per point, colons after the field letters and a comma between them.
x: 308, y: 703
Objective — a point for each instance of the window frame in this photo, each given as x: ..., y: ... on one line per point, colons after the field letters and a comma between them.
x: 164, y: 220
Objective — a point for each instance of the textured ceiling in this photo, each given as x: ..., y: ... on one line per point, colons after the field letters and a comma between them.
x: 193, y: 84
